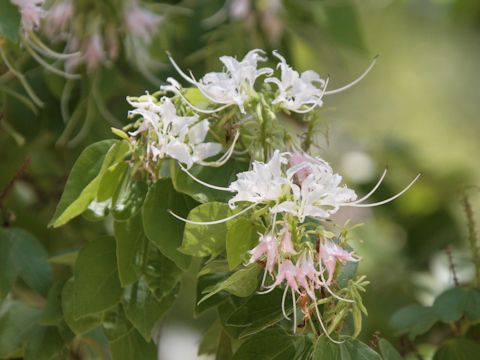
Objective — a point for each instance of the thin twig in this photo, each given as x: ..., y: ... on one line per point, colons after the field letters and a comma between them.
x: 17, y: 176
x: 451, y: 264
x: 473, y: 237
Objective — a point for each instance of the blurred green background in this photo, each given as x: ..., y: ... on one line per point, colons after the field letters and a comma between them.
x: 417, y: 111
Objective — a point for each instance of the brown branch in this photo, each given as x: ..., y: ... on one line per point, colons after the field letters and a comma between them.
x: 17, y: 176
x: 453, y: 270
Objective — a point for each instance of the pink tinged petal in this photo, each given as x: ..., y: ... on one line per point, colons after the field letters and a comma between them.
x: 287, y: 245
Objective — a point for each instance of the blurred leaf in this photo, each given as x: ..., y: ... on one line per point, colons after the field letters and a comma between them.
x: 209, y: 342
x: 128, y: 199
x: 132, y: 346
x: 24, y: 256
x: 45, y: 343
x: 115, y: 323
x: 96, y: 286
x: 267, y: 345
x: 81, y: 325
x: 143, y: 309
x: 204, y: 282
x: 17, y: 321
x: 52, y: 314
x: 413, y: 320
x: 111, y: 180
x: 9, y: 20
x: 82, y: 184
x: 221, y: 176
x: 326, y: 350
x: 458, y: 349
x: 214, y: 267
x: 206, y: 240
x: 163, y: 230
x: 358, y: 350
x: 131, y: 242
x: 241, y: 237
x: 161, y: 274
x: 454, y: 303
x: 241, y: 283
x: 67, y: 258
x: 259, y: 313
x: 387, y: 350
x: 224, y: 350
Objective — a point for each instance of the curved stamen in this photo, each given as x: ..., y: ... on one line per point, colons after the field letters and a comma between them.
x: 285, y: 315
x: 325, y: 285
x: 215, y: 221
x: 323, y: 326
x: 354, y: 82
x: 35, y: 41
x: 50, y: 67
x: 386, y: 200
x: 180, y: 71
x: 294, y: 312
x: 214, y: 187
x: 374, y: 188
x: 225, y: 157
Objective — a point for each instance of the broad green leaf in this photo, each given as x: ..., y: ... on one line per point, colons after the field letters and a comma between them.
x: 52, y: 314
x: 458, y: 349
x: 304, y: 347
x: 387, y: 351
x: 128, y: 198
x: 224, y: 349
x: 17, y: 321
x: 241, y: 283
x: 45, y: 343
x: 225, y: 309
x: 450, y: 305
x: 133, y: 346
x: 413, y: 320
x: 205, y: 282
x: 131, y: 243
x: 206, y: 240
x: 214, y: 266
x: 326, y: 350
x: 472, y: 306
x: 78, y: 326
x: 68, y: 258
x: 209, y: 343
x: 115, y: 323
x: 272, y: 344
x: 9, y: 21
x: 142, y: 307
x: 346, y: 272
x: 358, y: 350
x: 25, y: 258
x: 241, y: 237
x: 259, y: 313
x: 163, y: 230
x: 110, y: 181
x: 221, y: 176
x: 82, y: 184
x: 161, y: 274
x: 96, y: 286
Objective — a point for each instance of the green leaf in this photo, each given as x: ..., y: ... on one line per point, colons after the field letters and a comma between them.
x: 387, y: 350
x: 82, y: 184
x: 52, y: 314
x: 161, y: 274
x: 45, y: 343
x: 142, y: 307
x: 9, y: 20
x: 131, y: 242
x: 96, y: 286
x: 472, y: 305
x: 272, y: 344
x: 132, y: 346
x: 209, y: 343
x: 413, y: 320
x: 203, y: 283
x: 163, y: 230
x: 115, y: 323
x: 224, y: 349
x: 111, y: 180
x: 221, y: 176
x: 128, y: 199
x: 81, y: 325
x: 68, y: 258
x: 24, y: 257
x: 358, y: 350
x: 450, y: 305
x: 214, y: 266
x: 326, y: 350
x: 241, y: 237
x: 16, y: 323
x: 206, y: 240
x: 458, y: 349
x: 241, y: 283
x: 259, y: 313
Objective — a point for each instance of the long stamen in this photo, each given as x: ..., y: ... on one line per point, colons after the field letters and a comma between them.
x: 294, y: 312
x: 386, y: 200
x: 44, y: 49
x: 329, y: 289
x: 50, y: 67
x: 180, y: 71
x: 225, y: 157
x: 354, y: 82
x: 221, y: 188
x: 215, y: 221
x: 283, y: 303
x: 374, y: 188
x: 323, y: 326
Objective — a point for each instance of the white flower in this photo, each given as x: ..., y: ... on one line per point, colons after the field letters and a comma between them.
x: 141, y: 22
x: 233, y: 86
x: 265, y: 182
x: 31, y: 12
x: 179, y: 137
x: 297, y: 92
